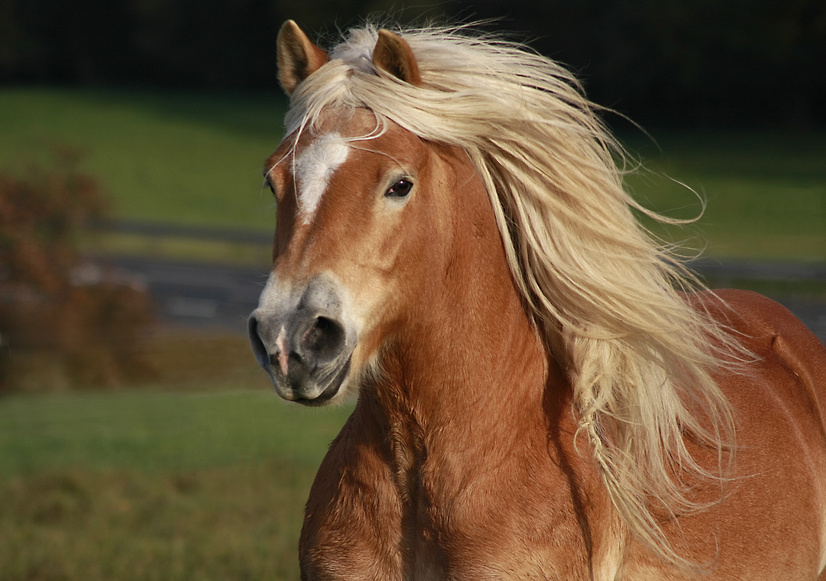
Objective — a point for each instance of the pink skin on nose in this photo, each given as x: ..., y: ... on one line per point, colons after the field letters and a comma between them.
x: 283, y: 350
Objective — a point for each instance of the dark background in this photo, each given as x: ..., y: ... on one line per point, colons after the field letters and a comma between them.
x: 684, y: 63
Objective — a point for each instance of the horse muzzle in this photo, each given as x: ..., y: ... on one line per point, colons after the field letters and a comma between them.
x: 301, y: 339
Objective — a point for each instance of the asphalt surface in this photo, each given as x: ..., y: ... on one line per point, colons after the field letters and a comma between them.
x: 222, y: 296
x: 196, y: 295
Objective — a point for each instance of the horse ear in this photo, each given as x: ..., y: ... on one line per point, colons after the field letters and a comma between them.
x: 298, y: 57
x: 393, y: 55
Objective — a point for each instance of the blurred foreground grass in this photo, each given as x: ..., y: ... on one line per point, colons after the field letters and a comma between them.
x: 146, y: 484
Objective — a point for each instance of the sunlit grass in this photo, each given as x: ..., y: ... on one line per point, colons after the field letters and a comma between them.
x: 178, y: 248
x: 154, y: 431
x: 185, y: 158
x: 144, y: 484
x: 211, y: 524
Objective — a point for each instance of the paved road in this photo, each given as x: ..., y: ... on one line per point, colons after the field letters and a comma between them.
x: 198, y: 295
x: 220, y: 296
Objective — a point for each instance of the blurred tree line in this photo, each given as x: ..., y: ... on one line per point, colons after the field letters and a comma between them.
x: 685, y: 62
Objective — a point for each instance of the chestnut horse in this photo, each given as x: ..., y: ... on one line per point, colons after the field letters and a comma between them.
x: 538, y: 398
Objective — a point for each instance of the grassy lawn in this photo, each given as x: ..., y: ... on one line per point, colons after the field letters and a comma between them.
x: 193, y: 158
x: 185, y: 158
x: 159, y: 485
x: 765, y: 192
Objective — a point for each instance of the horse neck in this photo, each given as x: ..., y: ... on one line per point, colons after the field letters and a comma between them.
x: 467, y: 368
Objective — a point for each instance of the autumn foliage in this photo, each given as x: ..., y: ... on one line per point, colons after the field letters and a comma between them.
x: 64, y: 322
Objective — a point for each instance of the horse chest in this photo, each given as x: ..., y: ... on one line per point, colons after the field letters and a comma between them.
x: 499, y: 534
x: 491, y: 526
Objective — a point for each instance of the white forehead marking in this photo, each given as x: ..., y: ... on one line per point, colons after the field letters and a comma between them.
x: 314, y: 168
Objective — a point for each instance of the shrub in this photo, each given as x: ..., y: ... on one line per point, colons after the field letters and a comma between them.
x: 64, y: 322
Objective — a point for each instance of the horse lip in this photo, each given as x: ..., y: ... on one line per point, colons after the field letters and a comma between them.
x: 327, y: 394
x: 331, y: 390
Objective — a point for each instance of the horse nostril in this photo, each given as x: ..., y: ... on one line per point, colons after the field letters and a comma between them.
x: 325, y: 339
x: 258, y: 347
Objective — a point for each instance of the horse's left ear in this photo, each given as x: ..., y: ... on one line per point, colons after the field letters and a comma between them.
x: 298, y: 57
x: 393, y: 55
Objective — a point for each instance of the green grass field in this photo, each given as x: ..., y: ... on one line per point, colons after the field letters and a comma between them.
x: 765, y: 192
x: 142, y: 484
x: 167, y: 157
x: 194, y: 158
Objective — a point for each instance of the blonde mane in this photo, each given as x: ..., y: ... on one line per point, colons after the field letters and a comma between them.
x: 600, y: 290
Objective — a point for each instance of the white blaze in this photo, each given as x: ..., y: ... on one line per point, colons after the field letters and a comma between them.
x: 314, y: 168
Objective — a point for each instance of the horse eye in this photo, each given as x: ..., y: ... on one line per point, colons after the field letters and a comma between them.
x: 268, y: 184
x: 401, y: 189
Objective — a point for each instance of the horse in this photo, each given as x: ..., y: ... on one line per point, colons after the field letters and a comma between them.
x: 543, y: 390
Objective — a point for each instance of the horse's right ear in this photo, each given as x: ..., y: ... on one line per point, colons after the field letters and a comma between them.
x: 298, y: 57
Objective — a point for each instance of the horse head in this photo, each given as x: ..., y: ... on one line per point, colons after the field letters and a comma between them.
x: 364, y: 232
